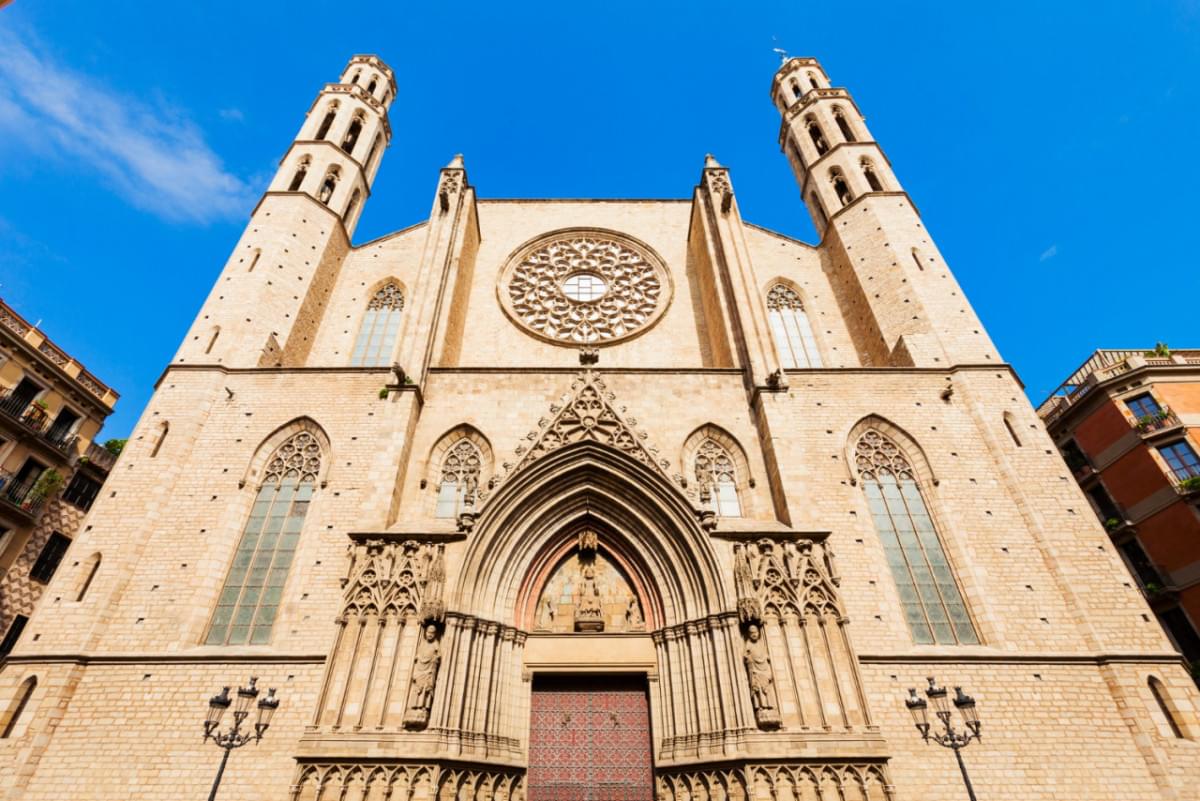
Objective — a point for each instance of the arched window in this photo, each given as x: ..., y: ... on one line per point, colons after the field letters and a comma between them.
x: 790, y: 329
x: 815, y: 200
x: 818, y: 137
x: 868, y: 170
x: 929, y: 595
x: 351, y: 206
x: 328, y: 121
x: 459, y: 479
x: 374, y: 150
x: 163, y: 428
x: 843, y: 125
x: 1012, y: 432
x: 797, y: 92
x: 87, y: 573
x: 916, y: 255
x: 381, y: 323
x: 812, y: 80
x: 253, y: 588
x: 352, y: 133
x: 1164, y: 705
x: 212, y: 340
x: 301, y: 172
x: 717, y: 479
x: 386, y: 95
x: 840, y: 187
x: 371, y: 86
x: 12, y: 715
x: 328, y: 185
x: 354, y: 80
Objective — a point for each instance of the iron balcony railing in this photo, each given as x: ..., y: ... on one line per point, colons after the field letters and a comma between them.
x: 19, y: 494
x: 1154, y: 423
x: 34, y: 418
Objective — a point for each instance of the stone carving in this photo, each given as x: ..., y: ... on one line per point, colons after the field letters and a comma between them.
x: 782, y: 297
x: 875, y: 456
x: 584, y: 287
x: 830, y: 781
x: 298, y: 459
x: 405, y: 782
x: 762, y: 678
x: 789, y: 578
x: 714, y: 470
x: 424, y: 677
x: 588, y: 593
x: 397, y: 578
x: 587, y: 414
x: 589, y: 541
x: 388, y: 296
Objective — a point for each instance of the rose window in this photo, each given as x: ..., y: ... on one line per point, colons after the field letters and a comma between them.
x: 585, y: 287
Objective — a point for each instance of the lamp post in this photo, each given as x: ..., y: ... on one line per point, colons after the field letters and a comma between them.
x: 234, y: 737
x: 950, y: 737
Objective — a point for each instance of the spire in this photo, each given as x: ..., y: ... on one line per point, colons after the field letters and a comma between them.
x: 710, y: 162
x: 456, y: 163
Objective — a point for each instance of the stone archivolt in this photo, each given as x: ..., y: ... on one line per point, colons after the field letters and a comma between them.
x: 559, y: 605
x: 630, y: 287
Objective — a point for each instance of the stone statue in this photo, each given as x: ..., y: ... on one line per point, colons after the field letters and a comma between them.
x: 589, y: 541
x: 749, y: 608
x: 546, y: 614
x: 762, y: 678
x: 326, y: 190
x: 633, y: 616
x: 588, y: 614
x: 424, y: 678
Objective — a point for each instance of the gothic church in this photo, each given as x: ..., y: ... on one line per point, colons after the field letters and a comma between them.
x: 613, y: 500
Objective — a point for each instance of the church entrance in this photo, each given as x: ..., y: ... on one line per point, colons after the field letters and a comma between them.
x: 589, y: 739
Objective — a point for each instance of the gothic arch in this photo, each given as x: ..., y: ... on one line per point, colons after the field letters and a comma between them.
x: 437, y: 453
x: 920, y: 463
x: 741, y: 465
x: 266, y: 448
x: 651, y: 524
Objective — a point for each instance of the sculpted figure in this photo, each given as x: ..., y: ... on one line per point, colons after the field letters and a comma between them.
x: 424, y: 678
x: 633, y: 615
x: 546, y: 614
x: 762, y: 678
x: 588, y: 614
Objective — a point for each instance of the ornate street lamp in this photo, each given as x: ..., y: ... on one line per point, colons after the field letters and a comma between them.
x: 234, y: 737
x: 949, y: 737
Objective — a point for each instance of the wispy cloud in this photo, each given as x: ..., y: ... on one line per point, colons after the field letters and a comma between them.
x: 232, y: 114
x: 1049, y: 253
x: 155, y: 158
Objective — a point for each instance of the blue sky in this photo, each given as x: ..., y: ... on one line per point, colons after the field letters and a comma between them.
x: 1049, y: 146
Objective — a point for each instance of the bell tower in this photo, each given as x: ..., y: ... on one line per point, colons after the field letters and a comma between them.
x: 269, y: 299
x: 900, y: 300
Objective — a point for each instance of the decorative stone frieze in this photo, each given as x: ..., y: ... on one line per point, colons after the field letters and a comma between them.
x: 819, y: 781
x: 406, y: 782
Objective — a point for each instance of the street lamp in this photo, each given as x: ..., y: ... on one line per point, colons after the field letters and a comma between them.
x: 234, y: 737
x: 950, y: 737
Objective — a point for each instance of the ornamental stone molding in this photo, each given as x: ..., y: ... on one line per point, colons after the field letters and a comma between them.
x: 583, y: 286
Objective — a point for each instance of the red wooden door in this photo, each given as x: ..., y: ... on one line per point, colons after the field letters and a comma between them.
x: 589, y: 740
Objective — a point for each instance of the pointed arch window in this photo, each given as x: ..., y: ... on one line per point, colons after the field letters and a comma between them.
x: 326, y: 123
x: 843, y: 125
x: 301, y: 172
x: 929, y: 596
x: 869, y: 173
x: 840, y: 187
x: 253, y: 589
x: 791, y: 329
x: 328, y: 185
x: 717, y: 478
x: 460, y: 477
x: 817, y: 135
x: 352, y: 206
x: 380, y: 325
x: 352, y: 133
x: 14, y: 713
x: 1164, y: 706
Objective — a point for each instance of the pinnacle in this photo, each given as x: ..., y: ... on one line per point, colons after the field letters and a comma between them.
x: 709, y: 161
x: 456, y: 163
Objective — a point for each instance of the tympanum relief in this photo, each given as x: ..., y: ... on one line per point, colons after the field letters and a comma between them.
x: 589, y: 592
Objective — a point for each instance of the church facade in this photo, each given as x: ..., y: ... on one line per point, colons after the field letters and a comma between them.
x: 612, y: 500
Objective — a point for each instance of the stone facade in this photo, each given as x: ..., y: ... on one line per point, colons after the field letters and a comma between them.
x: 585, y: 403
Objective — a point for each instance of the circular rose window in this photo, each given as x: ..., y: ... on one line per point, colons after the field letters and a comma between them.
x: 584, y: 287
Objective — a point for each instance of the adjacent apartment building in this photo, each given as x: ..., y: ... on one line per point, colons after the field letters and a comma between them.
x: 1126, y: 422
x: 51, y: 469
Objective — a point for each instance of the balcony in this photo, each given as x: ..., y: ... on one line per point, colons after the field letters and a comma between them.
x: 99, y: 457
x: 1161, y: 422
x: 32, y: 417
x: 1188, y: 486
x: 17, y: 496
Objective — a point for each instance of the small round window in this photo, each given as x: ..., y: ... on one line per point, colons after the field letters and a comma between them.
x: 584, y: 287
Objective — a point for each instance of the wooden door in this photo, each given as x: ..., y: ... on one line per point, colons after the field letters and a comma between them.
x: 589, y: 740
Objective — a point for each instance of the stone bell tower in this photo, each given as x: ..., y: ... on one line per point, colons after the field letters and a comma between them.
x: 268, y: 301
x: 900, y: 300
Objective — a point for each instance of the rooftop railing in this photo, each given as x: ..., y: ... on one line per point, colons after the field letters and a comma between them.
x: 1101, y: 366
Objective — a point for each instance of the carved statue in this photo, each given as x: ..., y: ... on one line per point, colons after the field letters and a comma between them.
x: 589, y: 541
x: 748, y: 605
x: 424, y: 678
x: 546, y: 615
x: 633, y: 616
x: 762, y: 678
x: 588, y: 614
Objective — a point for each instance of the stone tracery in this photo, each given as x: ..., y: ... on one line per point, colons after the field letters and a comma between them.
x: 626, y: 288
x: 298, y: 459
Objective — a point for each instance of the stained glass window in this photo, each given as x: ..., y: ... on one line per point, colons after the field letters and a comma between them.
x: 715, y: 473
x: 929, y: 597
x: 791, y: 330
x: 253, y: 589
x: 380, y: 325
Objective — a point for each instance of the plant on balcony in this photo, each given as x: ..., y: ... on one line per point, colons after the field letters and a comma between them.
x: 383, y: 393
x: 1160, y: 351
x: 48, y: 483
x: 1190, y: 484
x: 41, y: 404
x: 1152, y: 587
x: 115, y: 446
x: 1112, y: 523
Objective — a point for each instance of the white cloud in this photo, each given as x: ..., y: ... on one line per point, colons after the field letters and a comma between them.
x: 154, y: 158
x: 1049, y: 253
x: 232, y: 114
